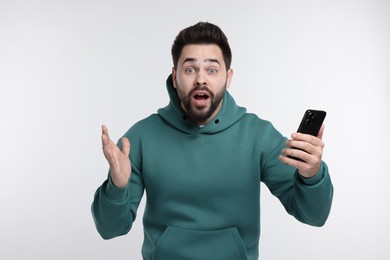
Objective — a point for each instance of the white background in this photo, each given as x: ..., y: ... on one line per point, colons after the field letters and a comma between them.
x: 66, y: 67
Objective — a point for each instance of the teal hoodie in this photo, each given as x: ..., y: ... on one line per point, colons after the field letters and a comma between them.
x: 203, y: 185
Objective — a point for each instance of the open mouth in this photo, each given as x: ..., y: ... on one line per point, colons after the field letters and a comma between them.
x: 200, y: 98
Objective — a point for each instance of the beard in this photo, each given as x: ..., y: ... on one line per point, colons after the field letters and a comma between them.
x: 200, y: 114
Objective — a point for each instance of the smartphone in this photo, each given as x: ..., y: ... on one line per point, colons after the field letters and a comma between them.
x: 311, y: 123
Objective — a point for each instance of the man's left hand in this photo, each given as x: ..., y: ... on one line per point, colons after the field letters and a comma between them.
x: 308, y: 149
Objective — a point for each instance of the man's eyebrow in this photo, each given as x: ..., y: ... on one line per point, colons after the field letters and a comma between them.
x: 212, y: 60
x: 189, y: 59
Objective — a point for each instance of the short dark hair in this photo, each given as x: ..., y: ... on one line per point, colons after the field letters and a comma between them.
x: 202, y: 33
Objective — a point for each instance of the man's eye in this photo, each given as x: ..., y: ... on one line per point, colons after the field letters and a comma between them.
x: 213, y: 71
x: 190, y: 70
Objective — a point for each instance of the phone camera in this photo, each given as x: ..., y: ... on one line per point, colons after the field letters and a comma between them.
x: 311, y: 117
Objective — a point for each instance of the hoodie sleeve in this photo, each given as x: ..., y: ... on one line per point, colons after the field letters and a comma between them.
x: 307, y: 199
x: 114, y: 209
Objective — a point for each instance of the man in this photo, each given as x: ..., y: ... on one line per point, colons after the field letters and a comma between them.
x: 201, y: 159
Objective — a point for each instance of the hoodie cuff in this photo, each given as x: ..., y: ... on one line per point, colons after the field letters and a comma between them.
x: 115, y: 193
x: 311, y: 181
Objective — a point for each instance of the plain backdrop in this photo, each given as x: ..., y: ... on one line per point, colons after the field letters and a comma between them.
x: 66, y: 67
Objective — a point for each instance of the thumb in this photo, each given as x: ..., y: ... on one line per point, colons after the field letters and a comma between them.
x: 126, y: 146
x: 321, y: 132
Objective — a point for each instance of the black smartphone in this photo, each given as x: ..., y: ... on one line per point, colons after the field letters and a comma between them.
x: 311, y: 123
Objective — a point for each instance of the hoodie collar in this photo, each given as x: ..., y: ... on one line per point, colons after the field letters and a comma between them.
x: 173, y: 114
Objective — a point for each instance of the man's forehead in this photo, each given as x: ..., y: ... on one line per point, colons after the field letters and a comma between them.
x: 201, y: 53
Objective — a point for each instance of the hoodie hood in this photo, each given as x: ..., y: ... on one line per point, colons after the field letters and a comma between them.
x: 173, y: 114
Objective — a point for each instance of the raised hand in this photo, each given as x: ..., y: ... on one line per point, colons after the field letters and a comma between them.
x: 310, y: 149
x: 120, y: 167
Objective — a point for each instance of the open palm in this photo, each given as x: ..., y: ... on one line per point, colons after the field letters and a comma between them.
x: 120, y: 167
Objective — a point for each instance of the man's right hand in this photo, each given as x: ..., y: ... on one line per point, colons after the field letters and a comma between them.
x: 120, y: 167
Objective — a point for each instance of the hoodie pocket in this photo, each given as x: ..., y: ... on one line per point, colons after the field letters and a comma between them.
x: 183, y: 244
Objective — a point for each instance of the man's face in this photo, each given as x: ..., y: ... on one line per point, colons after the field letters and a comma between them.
x: 201, y: 80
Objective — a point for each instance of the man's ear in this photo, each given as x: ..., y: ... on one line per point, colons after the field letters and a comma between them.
x: 174, y: 76
x: 229, y: 77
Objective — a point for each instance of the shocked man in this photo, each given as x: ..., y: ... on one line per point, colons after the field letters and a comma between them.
x: 201, y: 159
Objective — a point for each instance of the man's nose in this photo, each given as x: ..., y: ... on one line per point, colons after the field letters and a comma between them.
x: 201, y: 79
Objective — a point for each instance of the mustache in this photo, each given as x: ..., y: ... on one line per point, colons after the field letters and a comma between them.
x: 202, y: 88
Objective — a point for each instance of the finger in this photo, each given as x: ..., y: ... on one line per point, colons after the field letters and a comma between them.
x: 321, y: 132
x: 126, y: 146
x: 292, y: 162
x: 108, y: 145
x: 304, y: 146
x: 296, y: 154
x: 307, y: 165
x: 105, y: 138
x: 104, y: 130
x: 307, y: 138
x: 304, y: 169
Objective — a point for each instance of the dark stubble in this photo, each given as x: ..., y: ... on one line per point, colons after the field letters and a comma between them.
x: 199, y: 114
